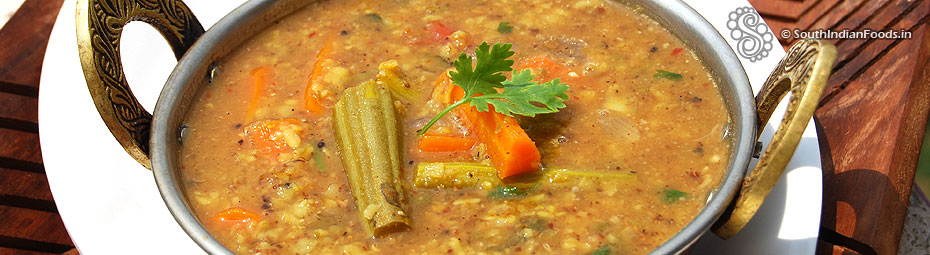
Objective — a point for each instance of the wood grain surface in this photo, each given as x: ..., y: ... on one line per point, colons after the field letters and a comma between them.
x: 869, y: 122
x: 29, y: 221
x: 873, y: 113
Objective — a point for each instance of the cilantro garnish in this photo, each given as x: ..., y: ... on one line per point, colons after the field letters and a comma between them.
x: 536, y: 224
x: 504, y: 27
x: 505, y: 192
x: 604, y: 250
x: 667, y: 75
x: 520, y: 95
x: 672, y: 195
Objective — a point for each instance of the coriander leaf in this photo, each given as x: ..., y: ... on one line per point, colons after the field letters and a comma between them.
x: 504, y: 192
x: 672, y: 195
x: 486, y: 85
x: 536, y: 224
x: 487, y: 73
x: 504, y: 27
x: 604, y: 250
x: 667, y: 75
x: 520, y: 93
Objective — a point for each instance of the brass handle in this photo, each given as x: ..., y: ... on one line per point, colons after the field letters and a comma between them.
x: 99, y: 26
x: 804, y: 72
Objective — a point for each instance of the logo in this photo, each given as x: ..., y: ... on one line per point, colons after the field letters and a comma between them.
x: 753, y: 37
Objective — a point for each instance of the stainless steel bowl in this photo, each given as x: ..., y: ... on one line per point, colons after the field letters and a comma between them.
x: 804, y: 72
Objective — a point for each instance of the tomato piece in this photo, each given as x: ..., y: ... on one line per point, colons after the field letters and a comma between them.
x: 438, y: 31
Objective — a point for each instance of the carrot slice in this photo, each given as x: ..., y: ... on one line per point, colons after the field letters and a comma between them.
x: 236, y: 215
x: 311, y: 93
x: 312, y: 100
x: 440, y: 143
x: 259, y: 78
x: 443, y: 89
x: 509, y: 147
x: 270, y: 136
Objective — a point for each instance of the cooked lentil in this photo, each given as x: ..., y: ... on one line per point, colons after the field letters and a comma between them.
x: 619, y: 119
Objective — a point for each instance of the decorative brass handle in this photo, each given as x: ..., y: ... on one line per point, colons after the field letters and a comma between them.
x: 99, y: 25
x: 803, y: 72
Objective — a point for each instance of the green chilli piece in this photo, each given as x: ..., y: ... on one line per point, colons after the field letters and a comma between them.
x: 318, y: 158
x: 662, y: 74
x: 368, y: 139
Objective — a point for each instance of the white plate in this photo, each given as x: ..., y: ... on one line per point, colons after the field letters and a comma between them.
x: 110, y: 204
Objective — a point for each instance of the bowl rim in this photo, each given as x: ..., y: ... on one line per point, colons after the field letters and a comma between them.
x: 189, y: 75
x: 693, y: 29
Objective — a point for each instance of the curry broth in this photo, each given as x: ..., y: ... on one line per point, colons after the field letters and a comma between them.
x: 621, y: 117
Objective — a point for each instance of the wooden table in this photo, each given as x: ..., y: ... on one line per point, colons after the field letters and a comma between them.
x: 872, y: 117
x: 870, y: 122
x: 29, y: 221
